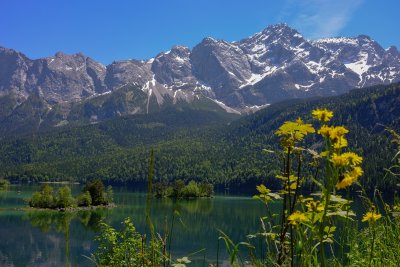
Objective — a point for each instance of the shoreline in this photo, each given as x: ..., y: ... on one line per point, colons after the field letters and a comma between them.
x: 70, y: 209
x: 61, y: 182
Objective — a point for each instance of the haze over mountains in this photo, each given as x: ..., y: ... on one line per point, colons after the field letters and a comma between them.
x: 273, y: 65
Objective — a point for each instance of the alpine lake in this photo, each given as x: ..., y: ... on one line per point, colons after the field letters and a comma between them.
x: 54, y: 238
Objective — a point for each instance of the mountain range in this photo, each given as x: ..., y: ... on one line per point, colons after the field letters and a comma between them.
x: 215, y: 75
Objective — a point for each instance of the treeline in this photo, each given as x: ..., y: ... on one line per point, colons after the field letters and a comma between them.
x: 218, y: 153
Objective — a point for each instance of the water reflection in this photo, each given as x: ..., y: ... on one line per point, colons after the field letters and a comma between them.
x: 59, y: 222
x: 61, y: 238
x: 199, y: 221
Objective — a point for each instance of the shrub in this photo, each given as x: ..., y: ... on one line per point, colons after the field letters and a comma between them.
x: 4, y: 184
x: 36, y: 200
x: 168, y: 191
x: 158, y: 190
x: 84, y: 199
x: 161, y: 190
x: 206, y: 189
x: 97, y: 192
x: 109, y: 195
x: 126, y: 247
x: 64, y: 197
x: 44, y: 198
x: 178, y: 187
x: 180, y: 190
x: 191, y: 190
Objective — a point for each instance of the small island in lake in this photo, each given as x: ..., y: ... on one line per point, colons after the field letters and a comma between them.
x: 180, y: 190
x: 94, y: 194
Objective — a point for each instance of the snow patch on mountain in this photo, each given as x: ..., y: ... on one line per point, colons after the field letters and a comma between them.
x: 337, y: 40
x: 361, y: 66
x: 225, y: 107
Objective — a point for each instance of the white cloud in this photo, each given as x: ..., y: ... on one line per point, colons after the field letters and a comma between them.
x: 319, y: 18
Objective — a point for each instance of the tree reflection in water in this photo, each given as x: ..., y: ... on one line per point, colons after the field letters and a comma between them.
x: 60, y: 222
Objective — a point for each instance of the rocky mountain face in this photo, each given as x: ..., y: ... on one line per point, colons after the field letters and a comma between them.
x: 61, y: 78
x: 273, y: 65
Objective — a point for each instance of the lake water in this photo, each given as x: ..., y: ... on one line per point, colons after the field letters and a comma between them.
x: 63, y: 239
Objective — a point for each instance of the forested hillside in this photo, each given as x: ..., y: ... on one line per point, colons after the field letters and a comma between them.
x: 202, y: 145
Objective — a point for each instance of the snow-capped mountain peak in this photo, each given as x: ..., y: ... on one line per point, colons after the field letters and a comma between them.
x: 274, y: 64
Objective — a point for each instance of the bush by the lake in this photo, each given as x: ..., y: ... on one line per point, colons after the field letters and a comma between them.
x: 127, y: 247
x: 98, y: 193
x: 4, y: 184
x: 64, y: 198
x: 180, y: 190
x: 84, y: 199
x: 44, y: 198
x: 94, y: 194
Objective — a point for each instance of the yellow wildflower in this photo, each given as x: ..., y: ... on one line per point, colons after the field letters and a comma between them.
x: 371, y: 217
x: 324, y: 154
x: 339, y: 142
x: 338, y: 131
x: 323, y: 115
x: 325, y: 131
x: 339, y: 160
x: 357, y: 172
x: 292, y: 132
x: 262, y: 189
x: 264, y: 193
x: 297, y: 217
x: 292, y: 178
x: 299, y: 121
x: 350, y: 178
x: 345, y: 182
x: 335, y: 134
x: 293, y: 186
x: 315, y: 206
x: 296, y: 130
x: 292, y: 182
x: 353, y: 158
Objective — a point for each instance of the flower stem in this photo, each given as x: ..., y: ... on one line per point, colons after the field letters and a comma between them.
x: 372, y: 244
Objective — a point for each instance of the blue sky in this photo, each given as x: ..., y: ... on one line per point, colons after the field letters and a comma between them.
x: 112, y: 30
